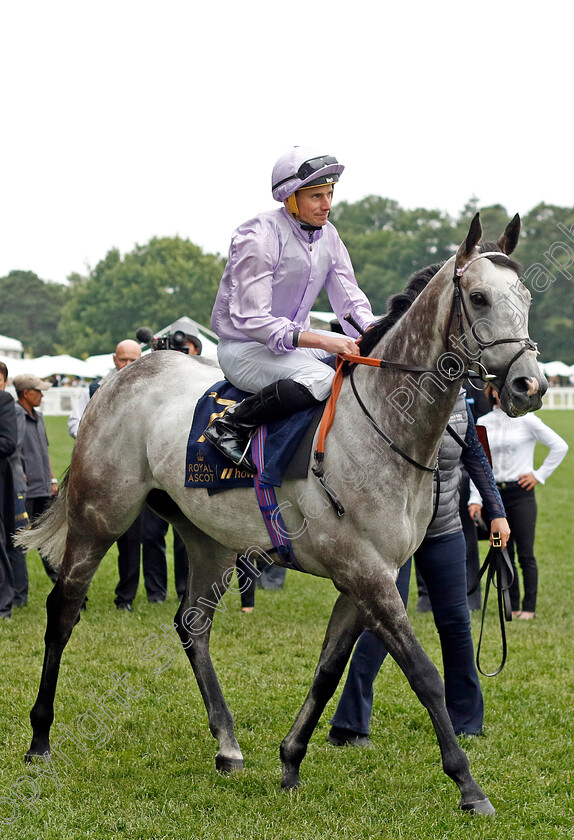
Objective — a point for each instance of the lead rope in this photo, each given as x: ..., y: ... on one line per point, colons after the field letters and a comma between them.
x: 500, y: 574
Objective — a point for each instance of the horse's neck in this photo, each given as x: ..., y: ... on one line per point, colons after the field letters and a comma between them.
x: 414, y: 407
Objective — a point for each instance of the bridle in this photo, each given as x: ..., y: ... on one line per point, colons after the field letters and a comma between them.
x: 458, y: 312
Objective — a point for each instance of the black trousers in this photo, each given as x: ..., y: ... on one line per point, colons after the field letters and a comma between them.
x: 20, y: 573
x: 155, y: 561
x: 6, y: 578
x: 248, y: 576
x: 521, y: 510
x: 34, y: 509
x: 129, y: 558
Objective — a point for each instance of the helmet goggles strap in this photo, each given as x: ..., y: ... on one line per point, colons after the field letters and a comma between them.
x: 309, y: 167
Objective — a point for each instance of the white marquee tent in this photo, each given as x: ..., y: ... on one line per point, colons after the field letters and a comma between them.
x: 93, y: 366
x: 557, y: 369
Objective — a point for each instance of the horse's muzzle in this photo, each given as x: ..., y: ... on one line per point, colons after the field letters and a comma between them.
x: 522, y: 394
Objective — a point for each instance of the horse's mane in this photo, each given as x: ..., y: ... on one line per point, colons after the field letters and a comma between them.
x: 399, y: 303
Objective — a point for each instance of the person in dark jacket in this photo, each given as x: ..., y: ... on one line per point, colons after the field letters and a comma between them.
x: 441, y: 559
x: 8, y: 443
x: 478, y: 404
x: 40, y: 482
x: 16, y: 555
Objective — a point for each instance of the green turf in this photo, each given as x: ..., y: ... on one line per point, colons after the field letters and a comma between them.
x: 148, y: 770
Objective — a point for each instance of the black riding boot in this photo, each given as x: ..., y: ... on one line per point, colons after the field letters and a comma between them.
x: 232, y: 432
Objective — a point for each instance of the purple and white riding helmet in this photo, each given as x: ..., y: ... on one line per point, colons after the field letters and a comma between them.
x: 302, y: 167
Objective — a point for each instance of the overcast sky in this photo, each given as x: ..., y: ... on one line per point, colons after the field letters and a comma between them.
x: 125, y: 120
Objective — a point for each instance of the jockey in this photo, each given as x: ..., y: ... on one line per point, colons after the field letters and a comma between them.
x: 278, y: 264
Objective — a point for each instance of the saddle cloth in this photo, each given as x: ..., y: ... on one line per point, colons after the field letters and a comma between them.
x: 287, y: 445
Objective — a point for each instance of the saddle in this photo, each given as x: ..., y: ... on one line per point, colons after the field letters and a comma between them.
x: 286, y: 450
x: 280, y: 450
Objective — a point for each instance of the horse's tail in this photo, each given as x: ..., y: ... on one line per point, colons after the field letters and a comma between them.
x: 50, y: 530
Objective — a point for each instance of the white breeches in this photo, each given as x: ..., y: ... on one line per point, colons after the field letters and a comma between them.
x: 251, y: 366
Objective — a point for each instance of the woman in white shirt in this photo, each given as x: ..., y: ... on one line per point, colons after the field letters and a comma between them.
x: 512, y: 441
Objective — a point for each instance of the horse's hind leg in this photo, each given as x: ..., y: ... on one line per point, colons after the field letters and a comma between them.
x: 81, y: 559
x: 342, y: 633
x: 211, y: 569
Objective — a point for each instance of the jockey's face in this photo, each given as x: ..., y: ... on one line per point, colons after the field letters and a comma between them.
x: 314, y: 204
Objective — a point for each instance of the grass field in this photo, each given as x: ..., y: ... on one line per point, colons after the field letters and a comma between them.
x: 146, y: 771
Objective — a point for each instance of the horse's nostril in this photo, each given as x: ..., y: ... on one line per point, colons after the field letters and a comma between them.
x: 526, y: 385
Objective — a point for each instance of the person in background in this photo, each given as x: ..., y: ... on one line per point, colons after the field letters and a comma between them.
x: 127, y: 352
x: 8, y: 444
x: 265, y: 575
x: 190, y: 332
x: 16, y: 555
x: 154, y: 528
x: 129, y: 544
x: 36, y: 469
x: 512, y: 441
x: 441, y: 559
x: 478, y: 404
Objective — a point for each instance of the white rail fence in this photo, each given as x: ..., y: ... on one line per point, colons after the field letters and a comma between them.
x: 561, y: 398
x: 59, y: 402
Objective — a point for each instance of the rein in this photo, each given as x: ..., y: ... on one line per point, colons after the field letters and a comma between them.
x: 329, y: 416
x: 459, y: 310
x: 500, y: 574
x: 329, y: 413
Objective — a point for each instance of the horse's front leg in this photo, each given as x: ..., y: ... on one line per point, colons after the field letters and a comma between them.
x: 387, y: 617
x: 342, y: 633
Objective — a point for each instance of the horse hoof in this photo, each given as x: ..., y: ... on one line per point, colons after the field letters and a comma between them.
x: 227, y: 765
x: 39, y: 748
x: 483, y: 807
x: 290, y: 783
x: 32, y: 756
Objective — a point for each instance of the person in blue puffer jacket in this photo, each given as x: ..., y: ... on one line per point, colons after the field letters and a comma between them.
x: 441, y: 559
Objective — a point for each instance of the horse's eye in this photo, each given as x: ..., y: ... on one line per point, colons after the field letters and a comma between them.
x: 478, y: 299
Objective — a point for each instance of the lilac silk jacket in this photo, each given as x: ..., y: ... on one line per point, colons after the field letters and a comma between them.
x: 272, y: 279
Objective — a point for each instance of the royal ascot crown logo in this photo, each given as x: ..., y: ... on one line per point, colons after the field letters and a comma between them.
x: 200, y: 472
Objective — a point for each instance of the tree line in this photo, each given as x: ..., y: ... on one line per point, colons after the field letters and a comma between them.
x: 158, y: 282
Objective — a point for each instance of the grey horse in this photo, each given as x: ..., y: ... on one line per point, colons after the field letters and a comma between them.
x: 470, y: 313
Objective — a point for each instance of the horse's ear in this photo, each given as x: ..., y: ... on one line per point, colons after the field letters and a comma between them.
x: 509, y: 239
x: 470, y: 243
